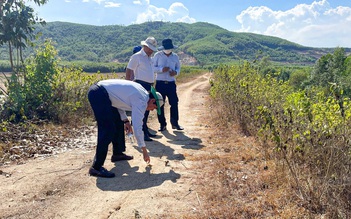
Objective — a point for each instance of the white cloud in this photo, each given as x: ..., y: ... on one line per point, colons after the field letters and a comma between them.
x: 141, y: 2
x: 316, y: 25
x: 177, y: 12
x: 137, y: 2
x: 112, y: 5
x: 99, y: 1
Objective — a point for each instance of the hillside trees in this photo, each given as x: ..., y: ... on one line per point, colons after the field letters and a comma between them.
x: 330, y: 70
x: 208, y: 44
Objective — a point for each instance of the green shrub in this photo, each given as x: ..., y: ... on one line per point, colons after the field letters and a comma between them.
x: 5, y: 66
x: 70, y: 102
x: 306, y: 129
x: 44, y: 90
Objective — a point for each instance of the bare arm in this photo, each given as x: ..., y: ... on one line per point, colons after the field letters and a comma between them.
x: 129, y: 74
x: 145, y: 155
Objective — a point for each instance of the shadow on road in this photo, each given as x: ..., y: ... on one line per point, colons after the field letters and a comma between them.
x: 179, y: 138
x: 127, y: 178
x: 163, y: 147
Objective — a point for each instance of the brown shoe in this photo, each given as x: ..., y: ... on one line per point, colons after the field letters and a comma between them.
x: 120, y: 157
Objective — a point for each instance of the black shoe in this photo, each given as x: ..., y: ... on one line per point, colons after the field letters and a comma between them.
x: 119, y: 157
x: 178, y: 127
x: 162, y: 128
x: 151, y: 135
x: 147, y: 138
x: 101, y: 173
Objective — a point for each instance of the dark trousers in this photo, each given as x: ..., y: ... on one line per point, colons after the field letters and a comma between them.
x: 147, y: 87
x: 168, y: 90
x: 109, y: 124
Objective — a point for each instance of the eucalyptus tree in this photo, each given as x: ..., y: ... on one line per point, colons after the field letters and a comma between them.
x: 17, y: 20
x: 17, y: 25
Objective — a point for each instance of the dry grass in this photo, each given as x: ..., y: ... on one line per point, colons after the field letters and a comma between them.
x: 239, y: 179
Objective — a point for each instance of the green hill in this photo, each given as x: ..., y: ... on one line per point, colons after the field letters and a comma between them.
x: 199, y: 43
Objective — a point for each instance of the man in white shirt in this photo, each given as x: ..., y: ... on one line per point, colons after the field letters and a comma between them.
x: 131, y: 74
x: 140, y: 64
x: 167, y: 67
x: 110, y: 99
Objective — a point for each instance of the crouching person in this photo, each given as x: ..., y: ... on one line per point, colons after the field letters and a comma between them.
x: 110, y: 99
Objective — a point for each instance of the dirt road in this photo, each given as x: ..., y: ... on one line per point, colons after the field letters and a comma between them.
x: 59, y: 186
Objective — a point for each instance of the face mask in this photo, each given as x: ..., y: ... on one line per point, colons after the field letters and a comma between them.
x: 167, y: 51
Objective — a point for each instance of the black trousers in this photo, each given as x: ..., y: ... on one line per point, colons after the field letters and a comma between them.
x: 109, y: 124
x: 147, y: 87
x: 168, y: 90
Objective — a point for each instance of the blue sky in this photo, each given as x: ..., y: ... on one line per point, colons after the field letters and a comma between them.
x: 316, y: 23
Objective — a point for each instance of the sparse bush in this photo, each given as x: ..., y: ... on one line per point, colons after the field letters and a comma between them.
x: 70, y: 102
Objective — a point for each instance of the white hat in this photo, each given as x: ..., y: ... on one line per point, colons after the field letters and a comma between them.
x: 150, y: 42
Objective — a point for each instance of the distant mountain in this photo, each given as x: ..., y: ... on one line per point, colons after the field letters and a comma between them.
x: 199, y: 43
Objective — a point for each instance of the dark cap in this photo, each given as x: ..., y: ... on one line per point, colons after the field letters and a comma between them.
x: 167, y: 44
x: 136, y: 49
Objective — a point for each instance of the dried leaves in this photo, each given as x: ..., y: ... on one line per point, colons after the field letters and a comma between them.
x: 21, y: 141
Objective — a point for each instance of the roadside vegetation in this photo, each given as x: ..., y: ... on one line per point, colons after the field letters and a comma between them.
x: 302, y: 124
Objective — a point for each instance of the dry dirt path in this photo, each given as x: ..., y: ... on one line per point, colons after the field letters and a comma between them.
x: 59, y: 186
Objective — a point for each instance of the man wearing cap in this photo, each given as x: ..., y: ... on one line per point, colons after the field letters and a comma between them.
x: 167, y: 67
x: 110, y: 99
x: 141, y: 65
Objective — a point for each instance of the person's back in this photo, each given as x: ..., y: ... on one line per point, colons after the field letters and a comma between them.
x: 131, y: 91
x: 109, y: 100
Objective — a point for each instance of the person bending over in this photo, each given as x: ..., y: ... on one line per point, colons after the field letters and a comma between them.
x: 109, y: 100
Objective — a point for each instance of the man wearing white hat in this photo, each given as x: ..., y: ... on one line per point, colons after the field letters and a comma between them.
x: 141, y: 65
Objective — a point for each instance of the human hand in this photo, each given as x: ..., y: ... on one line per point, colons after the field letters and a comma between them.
x: 145, y: 155
x: 172, y: 73
x: 128, y: 128
x: 165, y: 69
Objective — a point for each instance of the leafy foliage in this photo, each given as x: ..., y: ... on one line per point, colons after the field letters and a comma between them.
x: 17, y: 22
x: 49, y: 91
x: 41, y: 72
x: 70, y: 104
x: 306, y: 129
x: 331, y: 69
